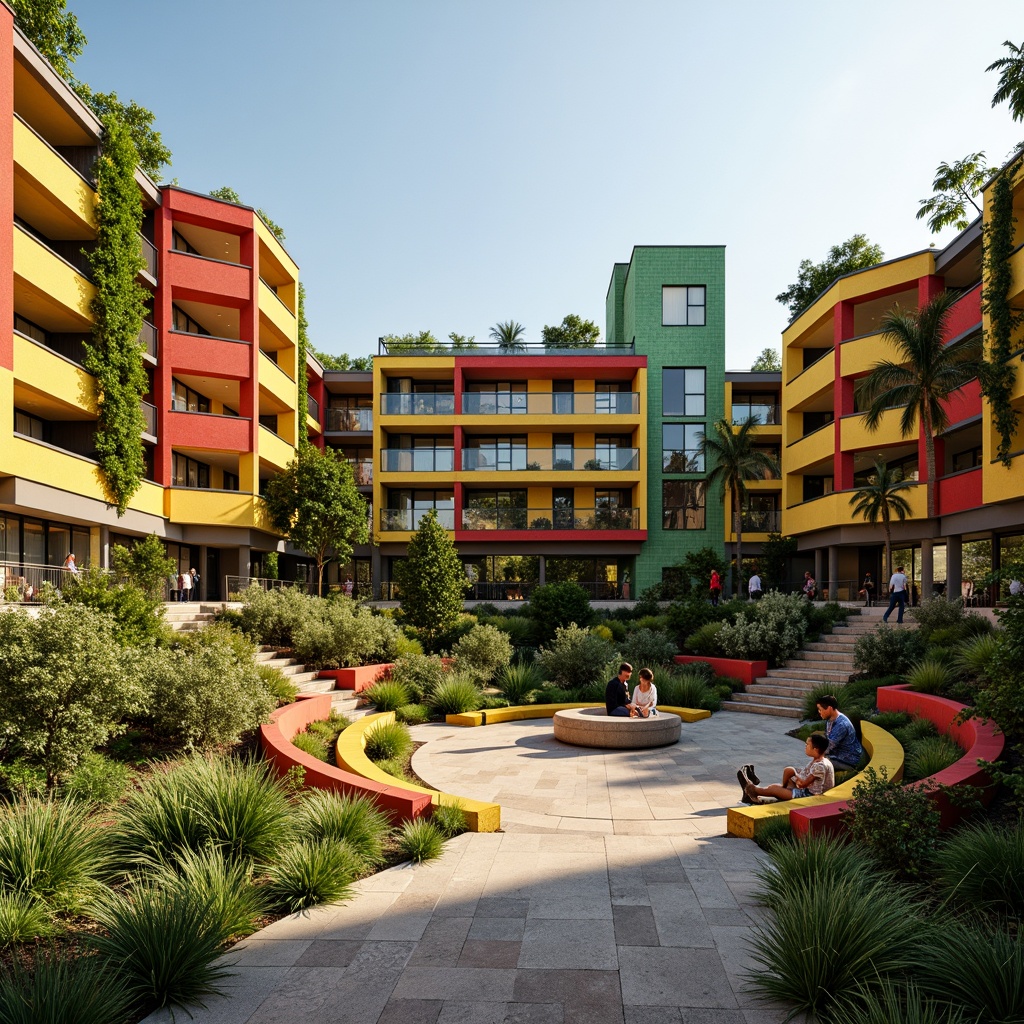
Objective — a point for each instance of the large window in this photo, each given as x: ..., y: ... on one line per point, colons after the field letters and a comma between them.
x: 184, y: 399
x: 406, y: 508
x: 681, y: 448
x: 683, y: 305
x: 189, y: 473
x: 682, y: 504
x: 183, y: 322
x: 682, y: 391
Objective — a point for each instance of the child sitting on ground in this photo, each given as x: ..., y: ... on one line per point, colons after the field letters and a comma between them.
x: 818, y: 777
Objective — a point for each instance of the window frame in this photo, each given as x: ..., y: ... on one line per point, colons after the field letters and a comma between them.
x: 669, y: 520
x: 692, y: 291
x: 669, y: 452
x: 684, y: 412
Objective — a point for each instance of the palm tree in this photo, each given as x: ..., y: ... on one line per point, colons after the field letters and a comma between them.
x: 1011, y: 80
x: 881, y: 499
x: 734, y: 462
x: 509, y: 336
x: 927, y: 373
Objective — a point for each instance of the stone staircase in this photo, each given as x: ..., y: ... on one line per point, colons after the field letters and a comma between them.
x: 829, y: 659
x: 187, y: 617
x: 343, y: 701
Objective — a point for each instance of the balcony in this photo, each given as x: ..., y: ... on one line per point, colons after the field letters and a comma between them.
x: 349, y: 420
x: 148, y: 339
x: 149, y: 415
x: 417, y: 460
x: 764, y: 415
x: 550, y: 403
x: 755, y: 521
x: 362, y: 472
x: 427, y: 404
x: 312, y: 408
x: 396, y: 520
x: 539, y: 519
x: 149, y: 256
x: 551, y: 459
x: 50, y: 275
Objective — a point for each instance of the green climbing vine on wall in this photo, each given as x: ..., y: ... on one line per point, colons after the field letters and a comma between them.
x: 114, y: 354
x: 300, y: 373
x: 999, y: 374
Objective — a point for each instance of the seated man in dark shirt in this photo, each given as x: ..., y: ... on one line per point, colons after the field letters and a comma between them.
x: 616, y: 696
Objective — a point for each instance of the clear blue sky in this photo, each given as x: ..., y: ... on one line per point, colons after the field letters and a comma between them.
x: 446, y: 165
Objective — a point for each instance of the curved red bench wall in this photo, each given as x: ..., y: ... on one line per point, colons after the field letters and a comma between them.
x: 981, y: 741
x: 731, y: 668
x: 275, y: 739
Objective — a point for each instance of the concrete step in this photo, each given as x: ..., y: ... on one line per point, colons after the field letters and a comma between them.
x: 778, y: 699
x: 314, y: 685
x: 773, y: 690
x: 776, y: 711
x: 299, y: 677
x: 842, y: 648
x: 843, y: 657
x: 811, y: 674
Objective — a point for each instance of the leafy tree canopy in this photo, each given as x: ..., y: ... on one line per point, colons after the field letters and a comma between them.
x: 153, y: 155
x: 955, y: 186
x: 53, y: 29
x: 145, y: 564
x: 769, y: 361
x: 1011, y: 80
x: 341, y: 361
x: 855, y: 253
x: 462, y: 341
x: 229, y: 195
x: 422, y: 342
x: 316, y: 505
x: 573, y: 333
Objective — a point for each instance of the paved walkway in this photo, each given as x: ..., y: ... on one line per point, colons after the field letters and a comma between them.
x: 612, y: 896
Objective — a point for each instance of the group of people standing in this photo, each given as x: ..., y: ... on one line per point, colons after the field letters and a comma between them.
x: 184, y: 586
x: 754, y: 589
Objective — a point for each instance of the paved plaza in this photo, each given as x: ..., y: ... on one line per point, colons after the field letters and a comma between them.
x: 611, y: 895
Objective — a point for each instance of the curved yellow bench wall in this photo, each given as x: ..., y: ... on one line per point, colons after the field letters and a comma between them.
x: 351, y: 756
x: 522, y: 712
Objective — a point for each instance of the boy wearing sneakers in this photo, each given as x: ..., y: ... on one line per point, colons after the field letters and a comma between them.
x: 816, y: 778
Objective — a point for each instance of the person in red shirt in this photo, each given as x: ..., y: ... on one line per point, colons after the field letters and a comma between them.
x: 716, y: 587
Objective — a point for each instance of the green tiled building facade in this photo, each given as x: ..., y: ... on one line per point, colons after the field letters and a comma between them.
x: 669, y: 301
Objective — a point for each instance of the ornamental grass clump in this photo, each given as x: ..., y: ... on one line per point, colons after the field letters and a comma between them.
x: 413, y: 714
x: 931, y: 755
x: 22, y: 918
x: 930, y: 676
x: 517, y: 682
x: 894, y: 1001
x: 420, y: 840
x: 306, y: 874
x: 387, y: 695
x: 454, y: 696
x: 388, y: 741
x: 982, y: 867
x: 450, y: 819
x: 315, y: 746
x: 325, y: 817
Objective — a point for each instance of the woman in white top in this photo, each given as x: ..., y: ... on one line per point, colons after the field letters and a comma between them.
x: 645, y: 695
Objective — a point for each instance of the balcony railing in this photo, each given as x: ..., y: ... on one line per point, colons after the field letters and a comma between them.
x: 27, y: 582
x: 362, y: 471
x: 313, y: 407
x: 426, y: 404
x: 409, y: 518
x: 764, y: 414
x: 493, y: 348
x: 518, y: 591
x: 551, y: 403
x: 768, y: 521
x: 538, y: 519
x: 551, y: 459
x: 417, y: 460
x: 148, y: 338
x: 149, y: 415
x: 349, y: 419
x: 149, y: 254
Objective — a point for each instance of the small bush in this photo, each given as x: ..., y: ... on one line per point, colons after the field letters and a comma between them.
x: 520, y: 629
x: 419, y: 673
x: 315, y: 746
x: 775, y: 632
x: 483, y: 651
x: 936, y: 613
x: 575, y: 658
x: 454, y: 696
x: 271, y: 616
x: 646, y: 648
x: 388, y: 741
x: 407, y: 646
x: 888, y: 651
x: 22, y: 918
x: 897, y: 825
x: 324, y: 817
x: 387, y: 695
x: 929, y: 676
x: 21, y: 780
x: 450, y: 819
x: 517, y: 682
x: 420, y: 840
x: 931, y: 755
x: 705, y: 642
x: 555, y: 695
x: 277, y: 684
x: 982, y: 866
x: 556, y: 605
x: 341, y: 633
x: 56, y: 988
x: 775, y: 832
x: 890, y: 720
x: 306, y: 874
x: 97, y: 779
x: 413, y: 714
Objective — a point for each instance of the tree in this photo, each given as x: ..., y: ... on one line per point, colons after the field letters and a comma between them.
x: 150, y: 150
x: 431, y: 580
x: 855, y: 253
x: 881, y: 499
x: 54, y: 31
x: 956, y: 185
x: 229, y: 195
x: 574, y: 333
x: 275, y: 229
x: 776, y: 557
x: 509, y: 336
x: 769, y: 361
x: 422, y: 342
x: 145, y: 565
x: 1011, y: 80
x: 927, y: 372
x: 734, y: 461
x: 462, y: 342
x: 561, y: 603
x: 315, y: 504
x: 342, y: 361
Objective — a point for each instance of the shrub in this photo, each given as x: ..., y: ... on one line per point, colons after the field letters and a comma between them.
x: 929, y: 676
x: 450, y: 819
x: 897, y: 825
x: 413, y: 714
x: 277, y: 684
x: 930, y: 755
x: 315, y: 746
x: 387, y: 695
x: 420, y: 840
x: 57, y: 988
x: 705, y: 642
x: 22, y: 780
x: 517, y: 682
x: 617, y: 628
x: 454, y: 696
x: 602, y: 631
x: 325, y: 817
x: 97, y: 779
x: 687, y: 616
x: 420, y: 673
x: 49, y: 851
x: 648, y: 648
x: 165, y: 943
x: 575, y: 657
x: 556, y: 605
x: 341, y: 633
x: 775, y: 832
x: 207, y: 692
x: 819, y: 690
x: 775, y: 634
x: 555, y: 695
x: 485, y: 609
x: 67, y: 659
x: 688, y: 690
x: 387, y: 741
x: 22, y: 918
x: 982, y: 866
x: 937, y: 613
x: 890, y: 720
x: 812, y: 860
x: 888, y: 651
x: 975, y: 655
x: 306, y: 874
x: 482, y: 652
x: 918, y: 729
x: 271, y: 616
x: 821, y: 618
x: 137, y: 620
x: 407, y: 646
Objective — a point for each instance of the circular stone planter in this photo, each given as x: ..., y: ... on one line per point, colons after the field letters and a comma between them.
x: 594, y: 727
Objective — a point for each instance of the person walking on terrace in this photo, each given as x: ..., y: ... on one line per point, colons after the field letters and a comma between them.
x: 867, y: 588
x: 754, y: 587
x: 817, y: 777
x: 844, y: 749
x: 616, y: 693
x: 897, y: 594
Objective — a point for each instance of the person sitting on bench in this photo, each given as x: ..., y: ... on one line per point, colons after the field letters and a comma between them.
x: 817, y: 777
x: 616, y: 693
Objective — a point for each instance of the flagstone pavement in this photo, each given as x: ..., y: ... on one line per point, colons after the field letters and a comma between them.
x: 612, y: 896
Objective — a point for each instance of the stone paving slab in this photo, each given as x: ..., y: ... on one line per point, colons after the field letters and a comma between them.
x: 579, y: 912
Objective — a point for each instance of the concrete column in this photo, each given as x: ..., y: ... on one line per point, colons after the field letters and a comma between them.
x: 105, y: 547
x: 954, y: 567
x: 819, y: 567
x: 833, y: 572
x: 542, y: 575
x: 244, y: 564
x: 375, y: 571
x: 201, y: 569
x: 927, y: 569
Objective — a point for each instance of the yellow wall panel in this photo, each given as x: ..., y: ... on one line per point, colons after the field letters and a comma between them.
x: 48, y: 274
x: 47, y: 372
x: 811, y: 382
x: 278, y: 314
x: 54, y: 178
